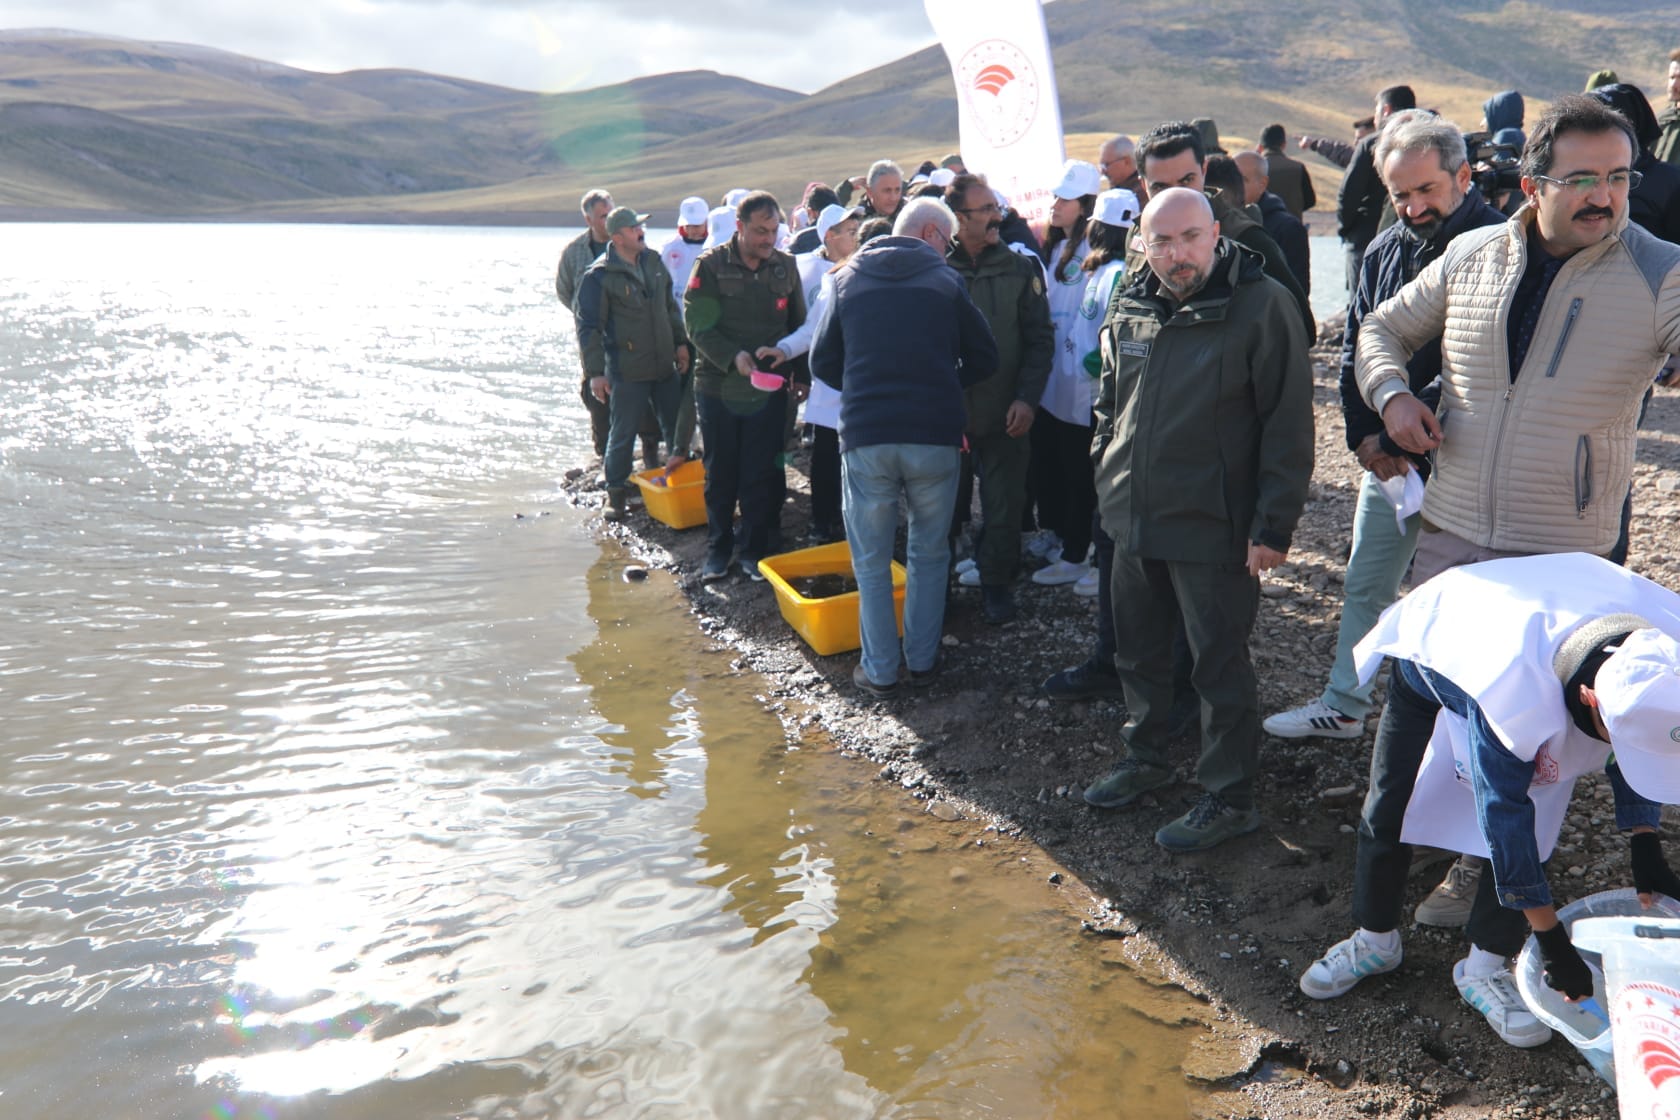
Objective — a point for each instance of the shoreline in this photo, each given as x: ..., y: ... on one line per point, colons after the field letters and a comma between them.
x: 1235, y: 926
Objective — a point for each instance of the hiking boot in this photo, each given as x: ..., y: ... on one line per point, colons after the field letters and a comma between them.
x: 1449, y: 903
x: 923, y: 678
x: 1086, y: 586
x: 716, y: 568
x: 1317, y: 720
x: 1126, y: 783
x: 1497, y: 999
x: 861, y: 681
x: 1091, y: 679
x: 997, y: 603
x: 1347, y: 963
x: 618, y: 504
x: 1210, y: 822
x: 1058, y: 573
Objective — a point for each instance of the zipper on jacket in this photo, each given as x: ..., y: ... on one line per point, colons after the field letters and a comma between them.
x: 1563, y: 339
x: 1583, y: 476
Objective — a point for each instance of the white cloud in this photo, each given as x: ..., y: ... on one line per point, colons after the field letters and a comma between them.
x: 560, y: 44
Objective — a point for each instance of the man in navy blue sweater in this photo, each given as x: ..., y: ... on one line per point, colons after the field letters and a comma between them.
x: 900, y: 340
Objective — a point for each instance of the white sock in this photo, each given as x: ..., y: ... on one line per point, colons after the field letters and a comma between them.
x: 1481, y: 963
x: 1382, y: 942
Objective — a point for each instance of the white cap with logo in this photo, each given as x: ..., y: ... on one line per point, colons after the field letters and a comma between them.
x: 832, y: 215
x: 734, y: 197
x: 1118, y: 207
x: 693, y: 211
x: 1078, y: 179
x: 1638, y: 689
x: 722, y: 225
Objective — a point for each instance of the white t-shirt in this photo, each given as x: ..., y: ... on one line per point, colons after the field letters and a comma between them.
x: 1069, y: 389
x: 679, y: 256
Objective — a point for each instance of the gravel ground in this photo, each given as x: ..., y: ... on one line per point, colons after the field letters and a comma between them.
x: 1236, y: 926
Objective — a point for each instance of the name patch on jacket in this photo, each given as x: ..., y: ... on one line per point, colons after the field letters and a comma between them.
x: 1131, y: 349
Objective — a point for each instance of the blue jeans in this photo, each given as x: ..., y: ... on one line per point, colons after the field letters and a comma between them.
x: 1375, y: 568
x: 628, y: 401
x: 873, y: 478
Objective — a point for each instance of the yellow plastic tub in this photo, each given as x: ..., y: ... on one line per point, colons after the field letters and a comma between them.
x: 828, y: 625
x: 682, y: 503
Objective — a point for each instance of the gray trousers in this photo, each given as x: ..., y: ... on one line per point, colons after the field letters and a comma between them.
x: 1218, y: 603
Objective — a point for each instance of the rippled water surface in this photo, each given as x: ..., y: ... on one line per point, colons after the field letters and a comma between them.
x: 333, y: 788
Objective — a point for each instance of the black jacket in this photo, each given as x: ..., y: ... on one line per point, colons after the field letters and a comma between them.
x: 1359, y: 203
x: 1291, y: 236
x: 1391, y: 262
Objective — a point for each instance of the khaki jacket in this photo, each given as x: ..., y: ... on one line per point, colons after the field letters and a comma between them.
x: 1542, y: 463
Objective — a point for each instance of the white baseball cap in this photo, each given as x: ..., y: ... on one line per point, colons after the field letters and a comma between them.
x: 721, y: 226
x: 1638, y: 689
x: 734, y: 197
x: 832, y: 215
x: 693, y: 211
x: 942, y: 177
x: 1118, y: 207
x: 1078, y: 179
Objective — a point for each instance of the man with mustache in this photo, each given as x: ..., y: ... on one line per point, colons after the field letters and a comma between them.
x: 1551, y: 327
x: 1009, y: 290
x: 1203, y: 446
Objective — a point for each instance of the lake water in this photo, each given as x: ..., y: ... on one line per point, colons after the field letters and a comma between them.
x: 346, y: 778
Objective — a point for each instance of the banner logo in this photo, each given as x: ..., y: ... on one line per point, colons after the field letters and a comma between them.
x: 1000, y: 85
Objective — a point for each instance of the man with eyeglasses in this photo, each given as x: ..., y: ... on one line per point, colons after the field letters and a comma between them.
x: 1009, y: 290
x: 1118, y: 161
x: 1551, y: 327
x: 1204, y: 447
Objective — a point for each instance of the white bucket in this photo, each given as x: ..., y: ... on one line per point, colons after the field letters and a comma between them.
x: 1587, y: 1026
x: 1641, y: 957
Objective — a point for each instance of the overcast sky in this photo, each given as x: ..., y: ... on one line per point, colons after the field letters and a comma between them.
x: 557, y: 45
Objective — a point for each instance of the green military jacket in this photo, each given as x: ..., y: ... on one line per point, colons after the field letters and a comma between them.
x: 574, y: 259
x: 628, y: 322
x: 730, y: 308
x: 1204, y: 422
x: 1008, y: 288
x: 1667, y: 147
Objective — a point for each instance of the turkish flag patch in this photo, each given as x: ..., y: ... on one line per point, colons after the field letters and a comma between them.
x: 694, y: 281
x: 781, y: 304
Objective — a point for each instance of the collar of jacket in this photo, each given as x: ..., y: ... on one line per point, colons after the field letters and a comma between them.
x: 734, y: 246
x: 993, y: 258
x: 1232, y: 216
x: 1233, y: 264
x: 1470, y: 208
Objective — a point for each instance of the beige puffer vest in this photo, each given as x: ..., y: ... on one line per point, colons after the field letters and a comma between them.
x: 1541, y: 464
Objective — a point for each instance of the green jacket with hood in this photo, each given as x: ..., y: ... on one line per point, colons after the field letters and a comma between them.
x: 1204, y: 433
x: 628, y: 322
x: 1008, y: 288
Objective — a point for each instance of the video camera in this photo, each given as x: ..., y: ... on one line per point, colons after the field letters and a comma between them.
x: 1494, y: 168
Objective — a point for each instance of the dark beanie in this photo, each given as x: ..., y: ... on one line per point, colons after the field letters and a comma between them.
x: 1579, y: 658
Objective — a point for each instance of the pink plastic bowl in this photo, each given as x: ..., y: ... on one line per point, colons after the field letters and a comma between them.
x: 767, y: 381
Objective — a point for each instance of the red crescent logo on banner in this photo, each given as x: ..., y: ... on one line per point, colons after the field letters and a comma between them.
x: 1001, y: 90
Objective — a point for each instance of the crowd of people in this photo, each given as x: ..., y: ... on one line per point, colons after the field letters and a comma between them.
x: 1130, y: 389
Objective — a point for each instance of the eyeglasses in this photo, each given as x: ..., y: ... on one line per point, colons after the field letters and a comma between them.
x: 989, y: 208
x: 1163, y: 247
x: 1586, y: 184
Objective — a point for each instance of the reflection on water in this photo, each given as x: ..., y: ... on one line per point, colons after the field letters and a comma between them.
x: 332, y: 789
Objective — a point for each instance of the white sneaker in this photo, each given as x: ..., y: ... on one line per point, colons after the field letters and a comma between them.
x: 1087, y: 587
x: 1347, y: 963
x: 1315, y: 720
x: 966, y: 564
x: 1497, y: 999
x: 969, y: 578
x: 1054, y: 575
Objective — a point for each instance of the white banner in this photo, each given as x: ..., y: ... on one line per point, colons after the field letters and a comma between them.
x: 1009, y: 119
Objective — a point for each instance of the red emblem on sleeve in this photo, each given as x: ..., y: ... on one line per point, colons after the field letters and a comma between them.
x: 781, y: 304
x: 694, y: 281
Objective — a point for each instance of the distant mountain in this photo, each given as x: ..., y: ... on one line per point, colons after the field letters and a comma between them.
x: 102, y: 125
x: 106, y: 125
